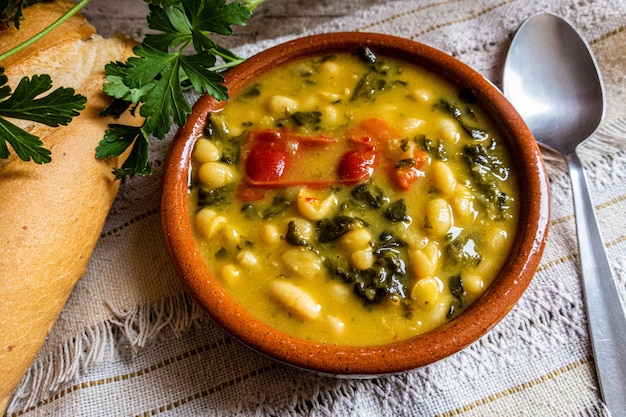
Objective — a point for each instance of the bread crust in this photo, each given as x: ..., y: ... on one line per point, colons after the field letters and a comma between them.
x: 52, y: 214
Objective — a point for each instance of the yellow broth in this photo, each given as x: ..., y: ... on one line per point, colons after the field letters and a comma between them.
x: 353, y: 199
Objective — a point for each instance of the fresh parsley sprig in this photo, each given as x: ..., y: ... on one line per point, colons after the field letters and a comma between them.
x: 27, y: 102
x: 153, y: 81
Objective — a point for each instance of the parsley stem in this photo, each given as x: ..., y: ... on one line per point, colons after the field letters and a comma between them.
x: 71, y: 12
x: 227, y: 65
x: 253, y: 4
x: 227, y: 56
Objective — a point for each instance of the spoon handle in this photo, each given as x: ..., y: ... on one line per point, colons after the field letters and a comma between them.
x: 607, y: 321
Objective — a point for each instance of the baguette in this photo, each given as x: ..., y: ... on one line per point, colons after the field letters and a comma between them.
x: 52, y: 214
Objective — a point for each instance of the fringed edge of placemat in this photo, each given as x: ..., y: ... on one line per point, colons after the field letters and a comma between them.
x: 125, y: 333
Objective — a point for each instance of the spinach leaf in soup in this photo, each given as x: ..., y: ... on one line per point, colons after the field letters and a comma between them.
x: 221, y: 196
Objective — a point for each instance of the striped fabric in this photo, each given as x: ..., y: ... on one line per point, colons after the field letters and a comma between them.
x: 131, y: 343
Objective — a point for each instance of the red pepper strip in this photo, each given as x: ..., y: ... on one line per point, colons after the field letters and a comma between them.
x: 266, y: 165
x: 275, y: 158
x: 249, y: 193
x: 382, y: 135
x: 357, y: 165
x: 280, y: 158
x: 404, y: 177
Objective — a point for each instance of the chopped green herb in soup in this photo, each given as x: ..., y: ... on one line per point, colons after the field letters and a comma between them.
x: 353, y: 199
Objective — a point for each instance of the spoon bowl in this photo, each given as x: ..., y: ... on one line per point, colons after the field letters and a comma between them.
x: 552, y: 79
x: 558, y: 92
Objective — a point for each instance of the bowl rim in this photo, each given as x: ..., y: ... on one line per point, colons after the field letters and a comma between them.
x: 359, y: 361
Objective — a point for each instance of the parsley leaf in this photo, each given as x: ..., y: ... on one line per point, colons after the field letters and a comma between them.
x: 216, y: 17
x: 116, y: 87
x: 27, y: 102
x: 154, y: 80
x: 119, y: 138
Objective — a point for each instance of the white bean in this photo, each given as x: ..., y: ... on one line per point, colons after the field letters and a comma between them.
x: 295, y: 299
x: 362, y: 259
x: 449, y: 132
x: 230, y: 237
x: 310, y: 102
x: 248, y: 259
x: 330, y: 115
x: 235, y: 130
x: 304, y: 227
x: 355, y: 240
x: 209, y: 222
x: 230, y: 273
x: 437, y: 314
x: 463, y: 204
x: 426, y: 292
x: 340, y: 292
x: 439, y: 215
x: 496, y: 239
x: 329, y: 69
x: 473, y: 283
x: 410, y: 124
x: 421, y: 95
x: 206, y: 151
x: 216, y: 174
x: 442, y: 177
x: 425, y: 261
x: 314, y: 208
x: 281, y: 106
x: 270, y: 234
x: 330, y: 96
x: 302, y: 261
x: 487, y: 268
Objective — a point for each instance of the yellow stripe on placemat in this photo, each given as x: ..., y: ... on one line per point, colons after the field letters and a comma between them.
x: 608, y: 35
x: 617, y: 241
x: 573, y: 256
x: 463, y: 19
x: 562, y: 220
x: 131, y: 375
x: 546, y: 265
x: 611, y: 202
x: 598, y: 207
x: 396, y: 16
x: 167, y: 407
x: 209, y: 391
x: 431, y: 28
x: 545, y: 391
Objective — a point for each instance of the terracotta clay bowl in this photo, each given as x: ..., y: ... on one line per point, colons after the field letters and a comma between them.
x: 357, y: 361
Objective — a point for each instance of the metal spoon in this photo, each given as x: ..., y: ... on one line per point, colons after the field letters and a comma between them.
x: 551, y: 78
